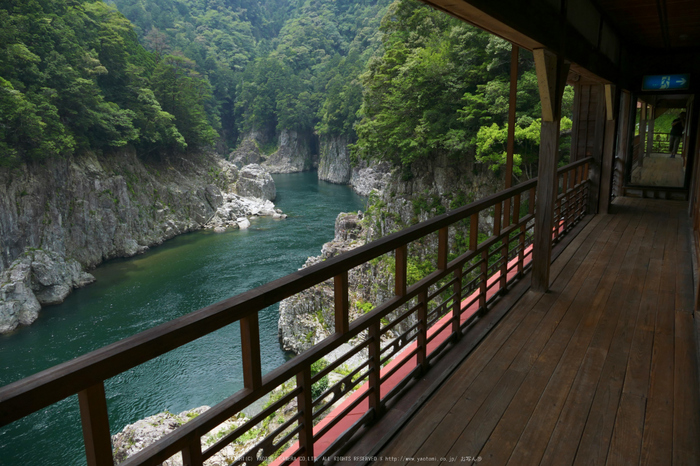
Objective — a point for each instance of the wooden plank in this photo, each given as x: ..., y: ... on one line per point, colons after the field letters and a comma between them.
x: 597, y: 150
x: 590, y: 304
x: 565, y: 438
x: 565, y: 268
x: 506, y: 434
x: 686, y: 408
x: 595, y: 440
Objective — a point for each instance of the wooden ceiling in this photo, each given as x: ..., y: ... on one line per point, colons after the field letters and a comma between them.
x: 656, y: 24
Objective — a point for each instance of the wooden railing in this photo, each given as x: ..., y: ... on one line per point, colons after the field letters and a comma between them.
x: 442, y: 304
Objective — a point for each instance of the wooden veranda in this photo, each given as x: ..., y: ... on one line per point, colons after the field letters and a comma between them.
x: 600, y: 370
x: 498, y: 355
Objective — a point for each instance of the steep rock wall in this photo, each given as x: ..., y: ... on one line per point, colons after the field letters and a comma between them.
x: 429, y: 189
x: 295, y: 153
x: 334, y: 160
x: 84, y: 210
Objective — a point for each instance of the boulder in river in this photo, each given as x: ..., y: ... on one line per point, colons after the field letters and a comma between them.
x: 37, y: 278
x: 254, y: 181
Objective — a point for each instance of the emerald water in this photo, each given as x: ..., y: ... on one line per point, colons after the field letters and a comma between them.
x: 131, y: 295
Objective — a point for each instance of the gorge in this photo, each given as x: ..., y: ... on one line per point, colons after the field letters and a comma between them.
x: 182, y: 275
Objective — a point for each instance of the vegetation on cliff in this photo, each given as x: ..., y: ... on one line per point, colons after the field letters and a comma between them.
x: 441, y: 86
x: 73, y: 77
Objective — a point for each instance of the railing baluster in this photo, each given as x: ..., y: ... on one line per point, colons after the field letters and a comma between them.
x: 422, y: 337
x: 401, y: 268
x: 474, y: 232
x: 95, y: 421
x: 305, y: 409
x: 483, y: 281
x: 457, y: 304
x: 505, y: 247
x: 566, y: 200
x: 442, y: 248
x: 572, y: 186
x: 250, y: 351
x: 342, y: 303
x: 192, y: 454
x: 375, y: 349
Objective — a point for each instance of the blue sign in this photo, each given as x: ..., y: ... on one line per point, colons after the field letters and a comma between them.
x: 666, y: 82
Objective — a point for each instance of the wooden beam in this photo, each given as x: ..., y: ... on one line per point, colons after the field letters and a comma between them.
x: 551, y: 76
x: 533, y: 24
x: 608, y: 163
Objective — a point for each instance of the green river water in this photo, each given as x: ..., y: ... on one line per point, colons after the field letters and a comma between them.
x: 131, y: 295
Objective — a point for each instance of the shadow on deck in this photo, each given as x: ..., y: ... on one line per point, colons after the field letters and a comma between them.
x: 600, y: 370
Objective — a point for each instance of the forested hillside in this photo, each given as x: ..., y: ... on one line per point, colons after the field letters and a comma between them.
x: 73, y: 77
x: 441, y: 86
x: 273, y: 64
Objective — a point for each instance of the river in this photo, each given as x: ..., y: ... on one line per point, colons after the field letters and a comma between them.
x: 184, y: 274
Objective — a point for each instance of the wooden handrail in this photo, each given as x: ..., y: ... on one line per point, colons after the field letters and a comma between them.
x: 33, y: 393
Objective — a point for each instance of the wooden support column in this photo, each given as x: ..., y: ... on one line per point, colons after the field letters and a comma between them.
x: 607, y: 165
x: 551, y: 78
x: 651, y: 118
x: 512, y: 102
x: 642, y: 132
x: 596, y: 149
x: 623, y: 141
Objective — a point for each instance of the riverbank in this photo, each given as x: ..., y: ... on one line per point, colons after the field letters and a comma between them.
x: 62, y: 217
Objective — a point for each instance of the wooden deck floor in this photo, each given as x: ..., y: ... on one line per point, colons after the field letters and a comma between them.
x: 600, y: 370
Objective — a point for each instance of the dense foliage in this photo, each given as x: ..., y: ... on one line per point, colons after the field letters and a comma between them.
x: 442, y: 85
x: 74, y: 77
x: 272, y: 64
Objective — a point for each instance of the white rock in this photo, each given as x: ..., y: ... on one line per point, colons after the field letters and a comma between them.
x: 243, y: 223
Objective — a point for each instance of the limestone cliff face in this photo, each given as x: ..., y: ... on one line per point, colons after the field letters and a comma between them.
x: 334, y: 160
x: 295, y: 154
x: 84, y: 210
x: 431, y: 188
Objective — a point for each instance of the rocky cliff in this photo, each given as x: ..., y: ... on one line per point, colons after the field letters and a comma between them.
x: 65, y: 215
x: 430, y: 188
x: 334, y: 160
x: 295, y: 152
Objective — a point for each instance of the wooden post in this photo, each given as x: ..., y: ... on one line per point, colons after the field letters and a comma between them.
x: 597, y: 150
x: 551, y: 78
x: 512, y: 102
x: 250, y: 349
x: 342, y: 304
x: 642, y: 132
x: 305, y: 408
x: 401, y: 269
x: 650, y: 132
x: 95, y: 421
x: 192, y: 454
x: 442, y: 248
x: 607, y: 165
